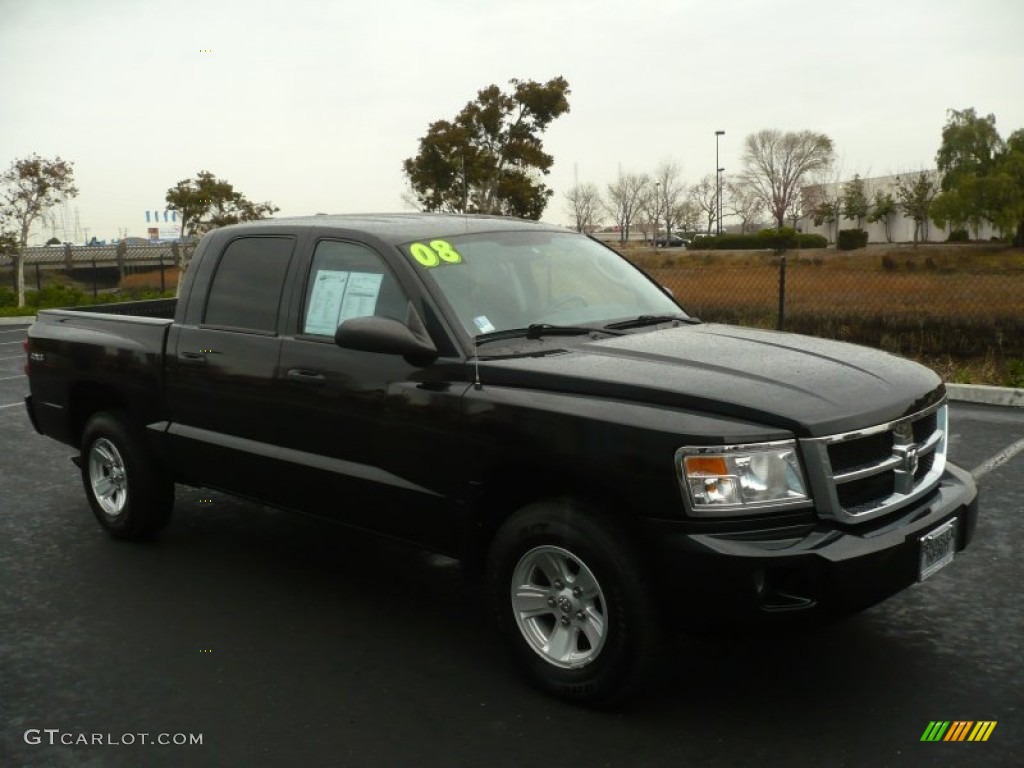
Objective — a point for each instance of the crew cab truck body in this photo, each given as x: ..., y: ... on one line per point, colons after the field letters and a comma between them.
x: 523, y: 399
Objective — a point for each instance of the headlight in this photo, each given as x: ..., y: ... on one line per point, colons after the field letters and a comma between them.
x: 742, y: 479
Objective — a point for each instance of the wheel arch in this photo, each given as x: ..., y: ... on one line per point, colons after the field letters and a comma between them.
x: 499, y: 497
x: 85, y: 400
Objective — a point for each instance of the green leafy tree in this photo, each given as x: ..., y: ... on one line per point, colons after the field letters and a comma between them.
x: 490, y: 157
x: 915, y: 194
x: 970, y: 147
x: 9, y: 244
x: 827, y: 211
x: 824, y: 203
x: 206, y: 202
x: 883, y: 208
x: 1007, y: 191
x: 30, y: 188
x: 855, y: 200
x: 776, y: 163
x: 968, y: 157
x: 982, y: 179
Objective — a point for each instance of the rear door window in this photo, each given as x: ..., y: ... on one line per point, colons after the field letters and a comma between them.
x: 247, y: 287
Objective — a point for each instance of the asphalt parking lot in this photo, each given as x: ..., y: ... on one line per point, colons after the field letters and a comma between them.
x: 282, y: 642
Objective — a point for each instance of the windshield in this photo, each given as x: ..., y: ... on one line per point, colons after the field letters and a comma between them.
x: 505, y: 280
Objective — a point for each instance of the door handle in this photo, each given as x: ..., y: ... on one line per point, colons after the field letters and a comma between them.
x: 306, y: 376
x: 192, y: 358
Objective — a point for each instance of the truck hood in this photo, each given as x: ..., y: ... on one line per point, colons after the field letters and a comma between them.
x: 809, y: 386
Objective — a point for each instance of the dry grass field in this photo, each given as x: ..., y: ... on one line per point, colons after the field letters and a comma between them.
x: 960, y: 308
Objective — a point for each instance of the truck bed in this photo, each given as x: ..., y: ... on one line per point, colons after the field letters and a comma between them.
x: 83, y: 350
x: 159, y: 308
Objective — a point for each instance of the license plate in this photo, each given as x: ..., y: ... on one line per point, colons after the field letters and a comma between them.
x: 937, y: 549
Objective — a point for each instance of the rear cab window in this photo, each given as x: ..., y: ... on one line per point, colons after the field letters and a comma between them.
x: 245, y: 293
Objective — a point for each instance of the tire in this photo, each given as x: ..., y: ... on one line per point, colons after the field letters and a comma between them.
x: 130, y: 494
x: 574, y: 603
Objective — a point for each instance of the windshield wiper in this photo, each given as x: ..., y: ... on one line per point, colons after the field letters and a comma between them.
x: 537, y: 330
x: 642, y: 320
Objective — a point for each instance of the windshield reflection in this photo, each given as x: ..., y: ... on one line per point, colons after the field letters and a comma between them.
x: 507, y: 280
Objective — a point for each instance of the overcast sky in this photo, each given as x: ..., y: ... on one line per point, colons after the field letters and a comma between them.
x: 313, y: 105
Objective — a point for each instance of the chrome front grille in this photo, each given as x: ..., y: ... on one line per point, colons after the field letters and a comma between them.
x: 861, y: 475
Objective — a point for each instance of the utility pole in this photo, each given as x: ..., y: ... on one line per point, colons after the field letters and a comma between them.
x: 718, y: 186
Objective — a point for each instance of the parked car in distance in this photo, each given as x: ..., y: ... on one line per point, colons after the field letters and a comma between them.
x: 673, y: 241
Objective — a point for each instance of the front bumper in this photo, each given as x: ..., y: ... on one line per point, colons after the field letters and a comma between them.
x: 822, y: 569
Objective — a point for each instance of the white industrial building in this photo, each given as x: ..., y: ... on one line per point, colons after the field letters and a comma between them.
x: 901, y: 228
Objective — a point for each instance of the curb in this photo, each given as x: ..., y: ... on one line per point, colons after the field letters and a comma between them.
x: 984, y: 394
x: 18, y: 320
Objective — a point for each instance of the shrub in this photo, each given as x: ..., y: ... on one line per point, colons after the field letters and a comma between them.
x: 851, y: 239
x: 958, y: 236
x: 1014, y: 374
x: 7, y: 297
x: 776, y: 240
x: 54, y: 296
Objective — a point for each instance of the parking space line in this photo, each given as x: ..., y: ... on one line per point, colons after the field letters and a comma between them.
x: 19, y: 330
x: 12, y: 405
x: 998, y: 460
x: 15, y: 357
x: 12, y: 378
x: 5, y: 343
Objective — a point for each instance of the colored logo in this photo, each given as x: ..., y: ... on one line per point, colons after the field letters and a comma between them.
x: 958, y: 730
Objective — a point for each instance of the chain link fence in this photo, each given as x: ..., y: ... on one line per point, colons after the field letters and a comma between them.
x: 928, y: 302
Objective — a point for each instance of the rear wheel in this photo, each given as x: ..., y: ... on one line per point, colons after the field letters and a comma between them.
x: 128, y: 491
x: 573, y: 601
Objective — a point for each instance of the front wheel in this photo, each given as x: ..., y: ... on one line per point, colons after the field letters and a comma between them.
x: 573, y: 600
x: 128, y: 491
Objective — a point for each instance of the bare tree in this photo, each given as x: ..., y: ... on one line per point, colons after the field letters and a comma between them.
x: 585, y: 205
x: 624, y: 201
x: 775, y: 164
x: 31, y: 187
x: 650, y: 213
x: 704, y: 197
x: 671, y: 191
x: 742, y: 201
x: 687, y: 214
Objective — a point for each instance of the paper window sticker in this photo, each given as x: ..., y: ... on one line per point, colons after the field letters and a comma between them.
x: 325, y: 302
x: 361, y: 295
x: 483, y: 324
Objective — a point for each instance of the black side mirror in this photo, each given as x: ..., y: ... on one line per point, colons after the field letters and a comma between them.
x: 387, y: 337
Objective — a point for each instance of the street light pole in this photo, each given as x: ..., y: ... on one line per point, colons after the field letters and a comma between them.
x: 657, y: 210
x: 718, y: 185
x: 720, y: 172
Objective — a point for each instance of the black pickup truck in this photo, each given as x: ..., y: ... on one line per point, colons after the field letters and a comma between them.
x: 521, y: 398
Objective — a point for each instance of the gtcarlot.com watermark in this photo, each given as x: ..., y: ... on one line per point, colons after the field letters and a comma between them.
x: 55, y: 736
